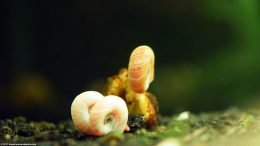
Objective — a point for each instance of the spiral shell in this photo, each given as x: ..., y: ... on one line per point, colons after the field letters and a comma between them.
x: 94, y: 114
x: 141, y: 69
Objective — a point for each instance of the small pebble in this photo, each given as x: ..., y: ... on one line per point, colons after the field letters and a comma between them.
x: 7, y: 136
x: 169, y: 142
x: 183, y: 116
x: 135, y: 122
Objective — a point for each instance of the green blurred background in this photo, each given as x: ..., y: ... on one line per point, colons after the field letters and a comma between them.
x: 207, y: 52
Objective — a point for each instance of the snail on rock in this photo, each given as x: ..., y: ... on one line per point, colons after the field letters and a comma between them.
x: 131, y: 84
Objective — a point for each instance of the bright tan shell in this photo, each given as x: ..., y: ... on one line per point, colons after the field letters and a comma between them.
x: 94, y: 114
x: 141, y: 68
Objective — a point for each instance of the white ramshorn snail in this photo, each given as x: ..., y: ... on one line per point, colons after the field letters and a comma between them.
x: 94, y: 114
x: 141, y: 69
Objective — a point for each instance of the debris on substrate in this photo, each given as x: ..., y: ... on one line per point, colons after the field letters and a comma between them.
x: 232, y: 127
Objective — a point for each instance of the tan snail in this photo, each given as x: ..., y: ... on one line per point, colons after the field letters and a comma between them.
x: 131, y: 84
x: 141, y: 69
x: 94, y: 114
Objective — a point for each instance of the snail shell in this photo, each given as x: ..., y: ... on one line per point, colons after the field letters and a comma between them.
x: 94, y: 114
x: 141, y: 68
